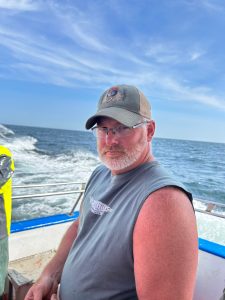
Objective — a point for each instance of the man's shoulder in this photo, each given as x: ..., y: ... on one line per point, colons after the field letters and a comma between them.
x: 169, y: 192
x: 166, y: 210
x: 165, y: 201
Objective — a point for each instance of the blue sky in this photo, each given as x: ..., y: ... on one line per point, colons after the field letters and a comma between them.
x: 57, y: 57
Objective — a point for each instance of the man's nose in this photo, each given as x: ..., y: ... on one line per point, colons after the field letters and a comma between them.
x: 111, y: 138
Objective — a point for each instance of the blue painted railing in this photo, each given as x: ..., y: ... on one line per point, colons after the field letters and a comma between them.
x: 42, y: 222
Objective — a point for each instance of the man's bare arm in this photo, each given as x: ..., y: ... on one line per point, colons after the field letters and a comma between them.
x: 47, y: 284
x: 165, y: 247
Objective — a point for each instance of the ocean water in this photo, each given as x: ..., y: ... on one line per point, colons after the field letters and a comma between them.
x: 44, y: 155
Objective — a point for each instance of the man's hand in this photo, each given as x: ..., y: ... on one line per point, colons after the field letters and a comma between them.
x: 44, y: 288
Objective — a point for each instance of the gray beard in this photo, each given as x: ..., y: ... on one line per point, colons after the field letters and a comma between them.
x: 126, y: 160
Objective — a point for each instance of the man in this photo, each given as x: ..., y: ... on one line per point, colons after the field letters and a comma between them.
x: 6, y: 171
x: 136, y: 236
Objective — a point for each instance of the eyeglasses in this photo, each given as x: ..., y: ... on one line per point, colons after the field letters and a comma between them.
x: 119, y: 131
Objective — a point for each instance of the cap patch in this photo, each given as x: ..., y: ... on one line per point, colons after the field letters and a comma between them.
x: 113, y: 95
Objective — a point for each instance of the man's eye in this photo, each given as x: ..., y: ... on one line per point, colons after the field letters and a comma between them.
x: 126, y: 129
x: 103, y: 129
x: 120, y: 129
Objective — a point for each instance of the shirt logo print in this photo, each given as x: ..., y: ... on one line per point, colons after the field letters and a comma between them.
x: 99, y: 208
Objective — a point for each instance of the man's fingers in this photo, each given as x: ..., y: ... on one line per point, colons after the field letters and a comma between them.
x: 33, y: 294
x: 29, y: 295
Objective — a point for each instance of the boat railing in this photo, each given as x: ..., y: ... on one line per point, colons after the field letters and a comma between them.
x: 212, y: 208
x: 207, y: 207
x: 79, y: 191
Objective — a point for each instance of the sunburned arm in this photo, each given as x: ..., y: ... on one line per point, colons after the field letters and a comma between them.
x: 165, y: 246
x: 50, y: 277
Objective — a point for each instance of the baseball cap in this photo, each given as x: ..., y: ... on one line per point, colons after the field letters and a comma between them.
x: 123, y: 103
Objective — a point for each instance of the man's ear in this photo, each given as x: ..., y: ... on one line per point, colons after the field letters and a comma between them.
x: 150, y: 130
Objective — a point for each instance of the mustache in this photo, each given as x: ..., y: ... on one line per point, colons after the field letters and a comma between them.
x: 113, y: 148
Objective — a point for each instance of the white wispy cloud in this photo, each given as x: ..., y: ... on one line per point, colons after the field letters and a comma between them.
x: 195, y: 55
x: 46, y: 63
x: 33, y: 49
x: 213, y: 5
x: 84, y: 55
x: 209, y: 5
x: 79, y: 27
x: 183, y: 92
x: 20, y: 5
x: 165, y: 52
x: 54, y: 63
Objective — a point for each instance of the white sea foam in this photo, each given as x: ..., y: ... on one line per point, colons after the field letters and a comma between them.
x: 4, y: 131
x: 42, y: 168
x: 26, y: 143
x: 211, y: 228
x: 34, y: 166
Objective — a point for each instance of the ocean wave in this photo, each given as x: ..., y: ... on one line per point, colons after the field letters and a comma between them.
x: 25, y: 143
x: 4, y: 131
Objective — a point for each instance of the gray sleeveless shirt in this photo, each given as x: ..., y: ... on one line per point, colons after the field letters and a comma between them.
x: 100, y: 263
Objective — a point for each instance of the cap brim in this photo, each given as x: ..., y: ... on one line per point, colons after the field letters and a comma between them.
x: 121, y: 115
